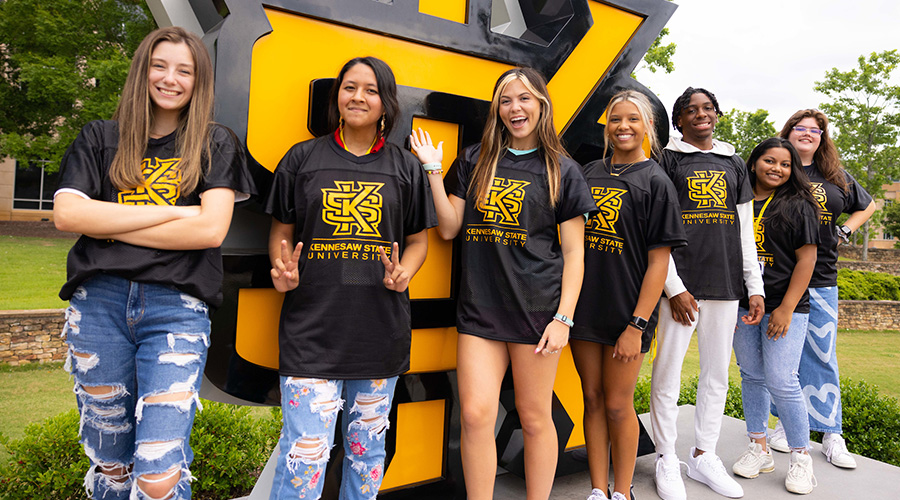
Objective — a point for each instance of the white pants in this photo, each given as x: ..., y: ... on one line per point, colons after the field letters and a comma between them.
x: 715, y: 322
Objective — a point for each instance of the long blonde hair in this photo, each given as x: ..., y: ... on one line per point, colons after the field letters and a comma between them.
x: 496, y: 138
x: 134, y: 114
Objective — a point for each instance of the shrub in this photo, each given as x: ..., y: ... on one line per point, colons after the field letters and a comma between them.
x: 230, y: 449
x: 47, y: 462
x: 734, y: 407
x: 863, y: 285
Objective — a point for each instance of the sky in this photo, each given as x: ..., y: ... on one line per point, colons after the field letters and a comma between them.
x: 769, y: 53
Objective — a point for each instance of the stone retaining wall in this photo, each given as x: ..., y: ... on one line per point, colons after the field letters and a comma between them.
x: 33, y: 336
x: 876, y: 267
x: 875, y: 254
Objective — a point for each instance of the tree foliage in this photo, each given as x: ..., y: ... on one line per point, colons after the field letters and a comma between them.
x: 891, y: 218
x: 659, y: 56
x: 864, y: 108
x: 62, y: 64
x: 744, y: 130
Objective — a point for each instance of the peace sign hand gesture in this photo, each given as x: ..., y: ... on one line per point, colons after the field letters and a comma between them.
x: 285, y: 276
x: 396, y: 277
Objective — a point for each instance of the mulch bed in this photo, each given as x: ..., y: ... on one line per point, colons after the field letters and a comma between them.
x: 41, y: 229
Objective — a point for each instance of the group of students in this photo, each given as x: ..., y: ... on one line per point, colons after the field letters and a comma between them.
x: 152, y: 192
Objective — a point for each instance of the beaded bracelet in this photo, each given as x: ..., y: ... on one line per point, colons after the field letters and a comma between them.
x: 435, y: 172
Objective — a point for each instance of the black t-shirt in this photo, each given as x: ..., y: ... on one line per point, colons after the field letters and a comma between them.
x: 341, y: 322
x: 709, y: 187
x: 85, y: 168
x: 511, y: 272
x: 776, y: 250
x: 638, y: 212
x: 832, y: 202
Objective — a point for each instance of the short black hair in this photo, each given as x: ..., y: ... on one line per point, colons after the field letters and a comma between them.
x: 387, y: 91
x: 685, y: 98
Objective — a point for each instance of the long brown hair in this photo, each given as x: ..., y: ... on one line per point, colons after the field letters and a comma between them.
x: 134, y: 114
x: 826, y: 156
x: 496, y: 138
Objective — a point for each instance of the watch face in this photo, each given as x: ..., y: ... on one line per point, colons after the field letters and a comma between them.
x: 639, y: 322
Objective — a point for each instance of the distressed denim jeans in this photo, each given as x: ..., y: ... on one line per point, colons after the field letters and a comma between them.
x: 310, y: 409
x: 137, y: 353
x: 769, y: 374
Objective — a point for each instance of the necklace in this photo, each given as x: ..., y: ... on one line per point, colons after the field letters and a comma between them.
x: 617, y: 171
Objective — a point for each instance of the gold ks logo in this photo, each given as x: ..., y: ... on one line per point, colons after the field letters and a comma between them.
x: 708, y: 188
x: 354, y: 208
x: 504, y: 201
x: 609, y: 201
x: 162, y: 181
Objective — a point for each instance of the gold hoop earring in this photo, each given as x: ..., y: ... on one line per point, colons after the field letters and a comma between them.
x: 381, y: 125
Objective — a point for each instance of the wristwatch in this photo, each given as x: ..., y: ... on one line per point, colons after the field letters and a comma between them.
x: 844, y: 232
x: 639, y: 323
x: 562, y: 318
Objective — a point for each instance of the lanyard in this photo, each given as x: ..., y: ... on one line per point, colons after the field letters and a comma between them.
x: 758, y: 219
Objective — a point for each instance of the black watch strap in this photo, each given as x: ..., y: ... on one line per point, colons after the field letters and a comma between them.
x: 639, y: 323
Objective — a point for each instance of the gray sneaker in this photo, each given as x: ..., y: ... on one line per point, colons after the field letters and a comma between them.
x: 754, y: 461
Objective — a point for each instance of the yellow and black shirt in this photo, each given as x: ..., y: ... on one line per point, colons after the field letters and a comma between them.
x: 85, y: 170
x: 710, y: 186
x: 638, y: 212
x: 511, y: 266
x: 832, y: 203
x: 341, y: 322
x: 776, y: 251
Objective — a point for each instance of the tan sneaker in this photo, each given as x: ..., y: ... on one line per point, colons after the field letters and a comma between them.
x: 754, y: 461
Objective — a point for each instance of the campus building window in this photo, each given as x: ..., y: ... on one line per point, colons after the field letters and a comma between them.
x: 34, y: 187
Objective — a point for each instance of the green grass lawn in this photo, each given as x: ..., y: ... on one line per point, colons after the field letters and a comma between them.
x: 32, y: 273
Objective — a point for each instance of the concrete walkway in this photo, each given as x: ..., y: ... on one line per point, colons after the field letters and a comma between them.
x: 871, y: 480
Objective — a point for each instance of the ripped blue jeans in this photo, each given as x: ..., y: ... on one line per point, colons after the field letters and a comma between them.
x: 310, y: 409
x: 137, y: 353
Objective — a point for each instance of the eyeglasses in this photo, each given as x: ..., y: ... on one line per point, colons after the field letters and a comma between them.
x: 816, y: 131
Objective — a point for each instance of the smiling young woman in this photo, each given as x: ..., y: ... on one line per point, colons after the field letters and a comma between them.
x: 148, y: 264
x: 616, y: 312
x: 516, y: 295
x: 786, y: 225
x: 324, y: 361
x: 837, y: 192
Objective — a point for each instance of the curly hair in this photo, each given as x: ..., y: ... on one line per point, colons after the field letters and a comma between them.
x: 685, y: 98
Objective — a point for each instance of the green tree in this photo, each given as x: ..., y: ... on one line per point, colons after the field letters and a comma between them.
x: 864, y: 107
x: 659, y: 56
x: 891, y: 219
x: 62, y: 64
x: 744, y: 130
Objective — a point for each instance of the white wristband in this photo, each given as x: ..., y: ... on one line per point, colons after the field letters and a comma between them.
x: 431, y: 166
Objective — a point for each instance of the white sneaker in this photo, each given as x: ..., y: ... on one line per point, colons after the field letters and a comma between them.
x: 618, y: 496
x: 835, y: 449
x: 800, y: 478
x: 597, y: 494
x: 754, y: 461
x: 778, y: 439
x: 669, y: 485
x: 709, y: 470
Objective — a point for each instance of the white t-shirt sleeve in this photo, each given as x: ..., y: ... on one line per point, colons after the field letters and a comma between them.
x: 752, y: 274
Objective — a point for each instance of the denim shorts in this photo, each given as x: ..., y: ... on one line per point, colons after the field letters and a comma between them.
x: 133, y: 341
